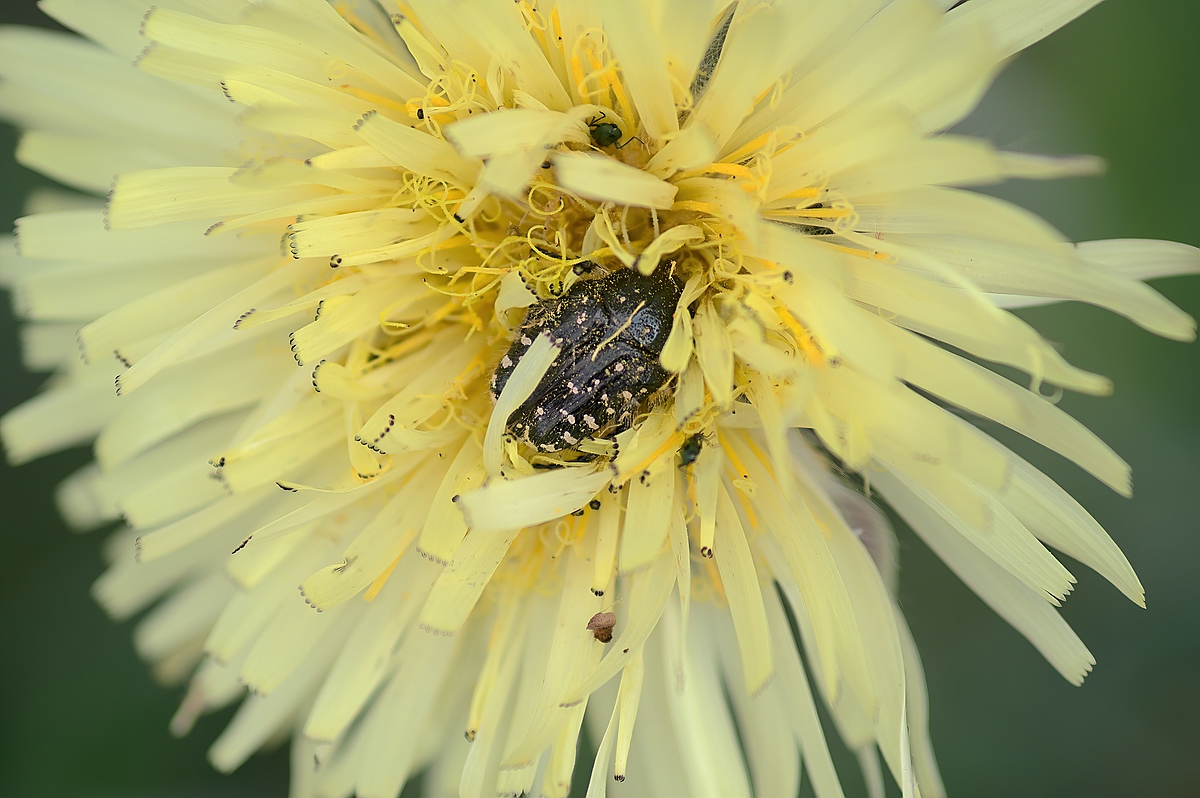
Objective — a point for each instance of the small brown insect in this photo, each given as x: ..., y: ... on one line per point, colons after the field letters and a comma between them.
x: 601, y: 626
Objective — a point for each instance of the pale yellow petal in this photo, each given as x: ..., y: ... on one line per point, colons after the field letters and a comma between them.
x: 602, y: 178
x: 740, y: 581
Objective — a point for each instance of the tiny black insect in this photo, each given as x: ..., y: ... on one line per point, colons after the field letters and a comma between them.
x: 612, y: 331
x: 691, y: 449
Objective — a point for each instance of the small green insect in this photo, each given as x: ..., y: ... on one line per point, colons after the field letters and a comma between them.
x: 604, y: 134
x: 690, y: 449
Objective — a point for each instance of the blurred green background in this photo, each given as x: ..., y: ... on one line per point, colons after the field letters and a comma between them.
x: 80, y: 715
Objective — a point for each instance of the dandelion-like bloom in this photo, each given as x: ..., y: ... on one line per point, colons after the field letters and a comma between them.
x: 499, y: 367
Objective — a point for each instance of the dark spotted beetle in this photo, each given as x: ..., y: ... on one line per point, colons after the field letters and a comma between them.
x: 612, y: 331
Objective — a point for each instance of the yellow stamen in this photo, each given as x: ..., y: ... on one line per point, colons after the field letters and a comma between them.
x: 732, y: 455
x: 531, y: 20
x: 392, y: 353
x: 750, y: 147
x: 372, y: 97
x: 740, y: 470
x: 731, y: 169
x: 869, y: 254
x: 748, y: 508
x: 469, y: 373
x: 804, y: 338
x: 803, y: 193
x: 482, y: 270
x: 358, y: 24
x: 577, y: 73
x: 418, y: 109
x: 608, y: 79
x: 766, y: 142
x: 549, y: 189
x: 813, y: 213
x: 556, y: 28
x: 763, y: 95
x: 670, y: 444
x: 380, y: 581
x: 761, y: 455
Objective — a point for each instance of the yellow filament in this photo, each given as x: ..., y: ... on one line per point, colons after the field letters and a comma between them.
x: 469, y: 373
x: 731, y: 169
x: 534, y: 243
x: 556, y: 24
x: 429, y: 194
x: 585, y: 96
x: 396, y: 352
x: 469, y: 296
x: 418, y: 109
x: 483, y: 270
x: 549, y: 189
x: 869, y: 254
x: 741, y: 471
x: 441, y: 313
x: 766, y: 462
x: 670, y: 444
x: 608, y: 79
x: 609, y: 236
x: 539, y: 31
x: 459, y: 79
x: 498, y: 250
x: 749, y: 148
x: 748, y: 508
x: 569, y: 533
x: 372, y: 97
x: 813, y: 213
x: 804, y: 193
x: 358, y: 24
x: 763, y: 95
x: 803, y: 337
x: 777, y: 90
x: 767, y: 143
x: 531, y: 20
x: 380, y: 581
x: 732, y: 455
x: 761, y: 455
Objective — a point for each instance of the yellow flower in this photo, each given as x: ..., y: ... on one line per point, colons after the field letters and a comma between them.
x: 542, y: 343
